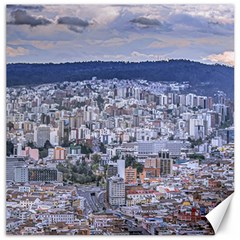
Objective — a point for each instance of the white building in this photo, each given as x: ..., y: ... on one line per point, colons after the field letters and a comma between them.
x: 116, y: 191
x: 43, y: 134
x: 121, y: 168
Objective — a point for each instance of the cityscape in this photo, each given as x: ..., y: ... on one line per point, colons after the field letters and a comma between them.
x: 114, y: 156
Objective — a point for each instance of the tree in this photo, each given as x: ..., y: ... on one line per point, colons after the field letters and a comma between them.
x: 102, y: 148
x: 139, y: 167
x: 10, y: 126
x: 10, y: 148
x: 43, y: 152
x: 96, y: 158
x: 48, y: 145
x: 114, y: 158
x: 31, y: 145
x: 76, y: 174
x: 131, y: 161
x: 61, y: 168
x: 171, y: 137
x: 100, y: 102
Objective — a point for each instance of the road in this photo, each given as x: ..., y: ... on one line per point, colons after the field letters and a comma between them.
x: 94, y: 196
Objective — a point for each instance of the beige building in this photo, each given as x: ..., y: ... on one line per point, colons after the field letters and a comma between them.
x: 130, y: 175
x: 60, y: 153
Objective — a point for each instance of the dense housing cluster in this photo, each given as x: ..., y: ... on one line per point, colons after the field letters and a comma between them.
x: 116, y: 157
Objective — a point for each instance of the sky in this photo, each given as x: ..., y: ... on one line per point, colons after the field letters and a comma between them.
x: 75, y: 33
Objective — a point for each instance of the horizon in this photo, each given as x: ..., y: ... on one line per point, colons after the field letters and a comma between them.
x: 129, y: 33
x: 115, y: 61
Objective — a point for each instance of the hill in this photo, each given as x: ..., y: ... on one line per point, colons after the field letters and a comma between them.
x: 207, y: 78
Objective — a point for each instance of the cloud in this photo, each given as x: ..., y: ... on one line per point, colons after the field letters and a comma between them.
x: 131, y: 32
x: 74, y: 24
x: 76, y: 29
x: 43, y: 44
x: 146, y: 21
x: 144, y: 56
x: 226, y: 57
x: 26, y: 7
x: 199, y: 23
x: 73, y: 21
x: 21, y: 17
x: 19, y: 51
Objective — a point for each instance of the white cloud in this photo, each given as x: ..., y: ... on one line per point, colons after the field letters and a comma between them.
x: 19, y: 51
x: 226, y: 57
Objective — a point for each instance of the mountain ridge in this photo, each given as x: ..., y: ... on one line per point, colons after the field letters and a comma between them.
x: 217, y: 77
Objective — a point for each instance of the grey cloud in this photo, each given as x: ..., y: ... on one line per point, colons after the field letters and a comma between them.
x: 73, y: 21
x: 26, y: 7
x: 75, y: 29
x: 21, y: 17
x: 74, y: 24
x: 146, y: 21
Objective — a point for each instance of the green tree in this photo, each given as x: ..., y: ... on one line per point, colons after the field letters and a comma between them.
x: 96, y: 158
x: 103, y: 148
x: 48, y: 145
x: 10, y: 148
x: 100, y: 102
x: 85, y: 149
x: 10, y: 126
x: 31, y: 145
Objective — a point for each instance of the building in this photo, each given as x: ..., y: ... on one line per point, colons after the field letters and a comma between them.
x: 43, y: 134
x: 67, y: 218
x: 116, y: 191
x: 216, y: 142
x: 196, y: 128
x: 157, y: 167
x: 121, y: 168
x: 21, y: 174
x: 43, y: 174
x: 130, y: 175
x: 112, y: 169
x: 11, y: 164
x: 151, y: 148
x: 60, y: 153
x: 32, y: 153
x: 227, y: 135
x: 151, y: 168
x: 135, y: 120
x: 166, y: 163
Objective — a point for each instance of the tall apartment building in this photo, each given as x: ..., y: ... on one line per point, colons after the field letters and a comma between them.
x: 11, y: 163
x: 121, y: 168
x: 166, y: 163
x: 130, y: 175
x: 112, y: 169
x: 21, y: 174
x: 43, y: 134
x: 116, y: 191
